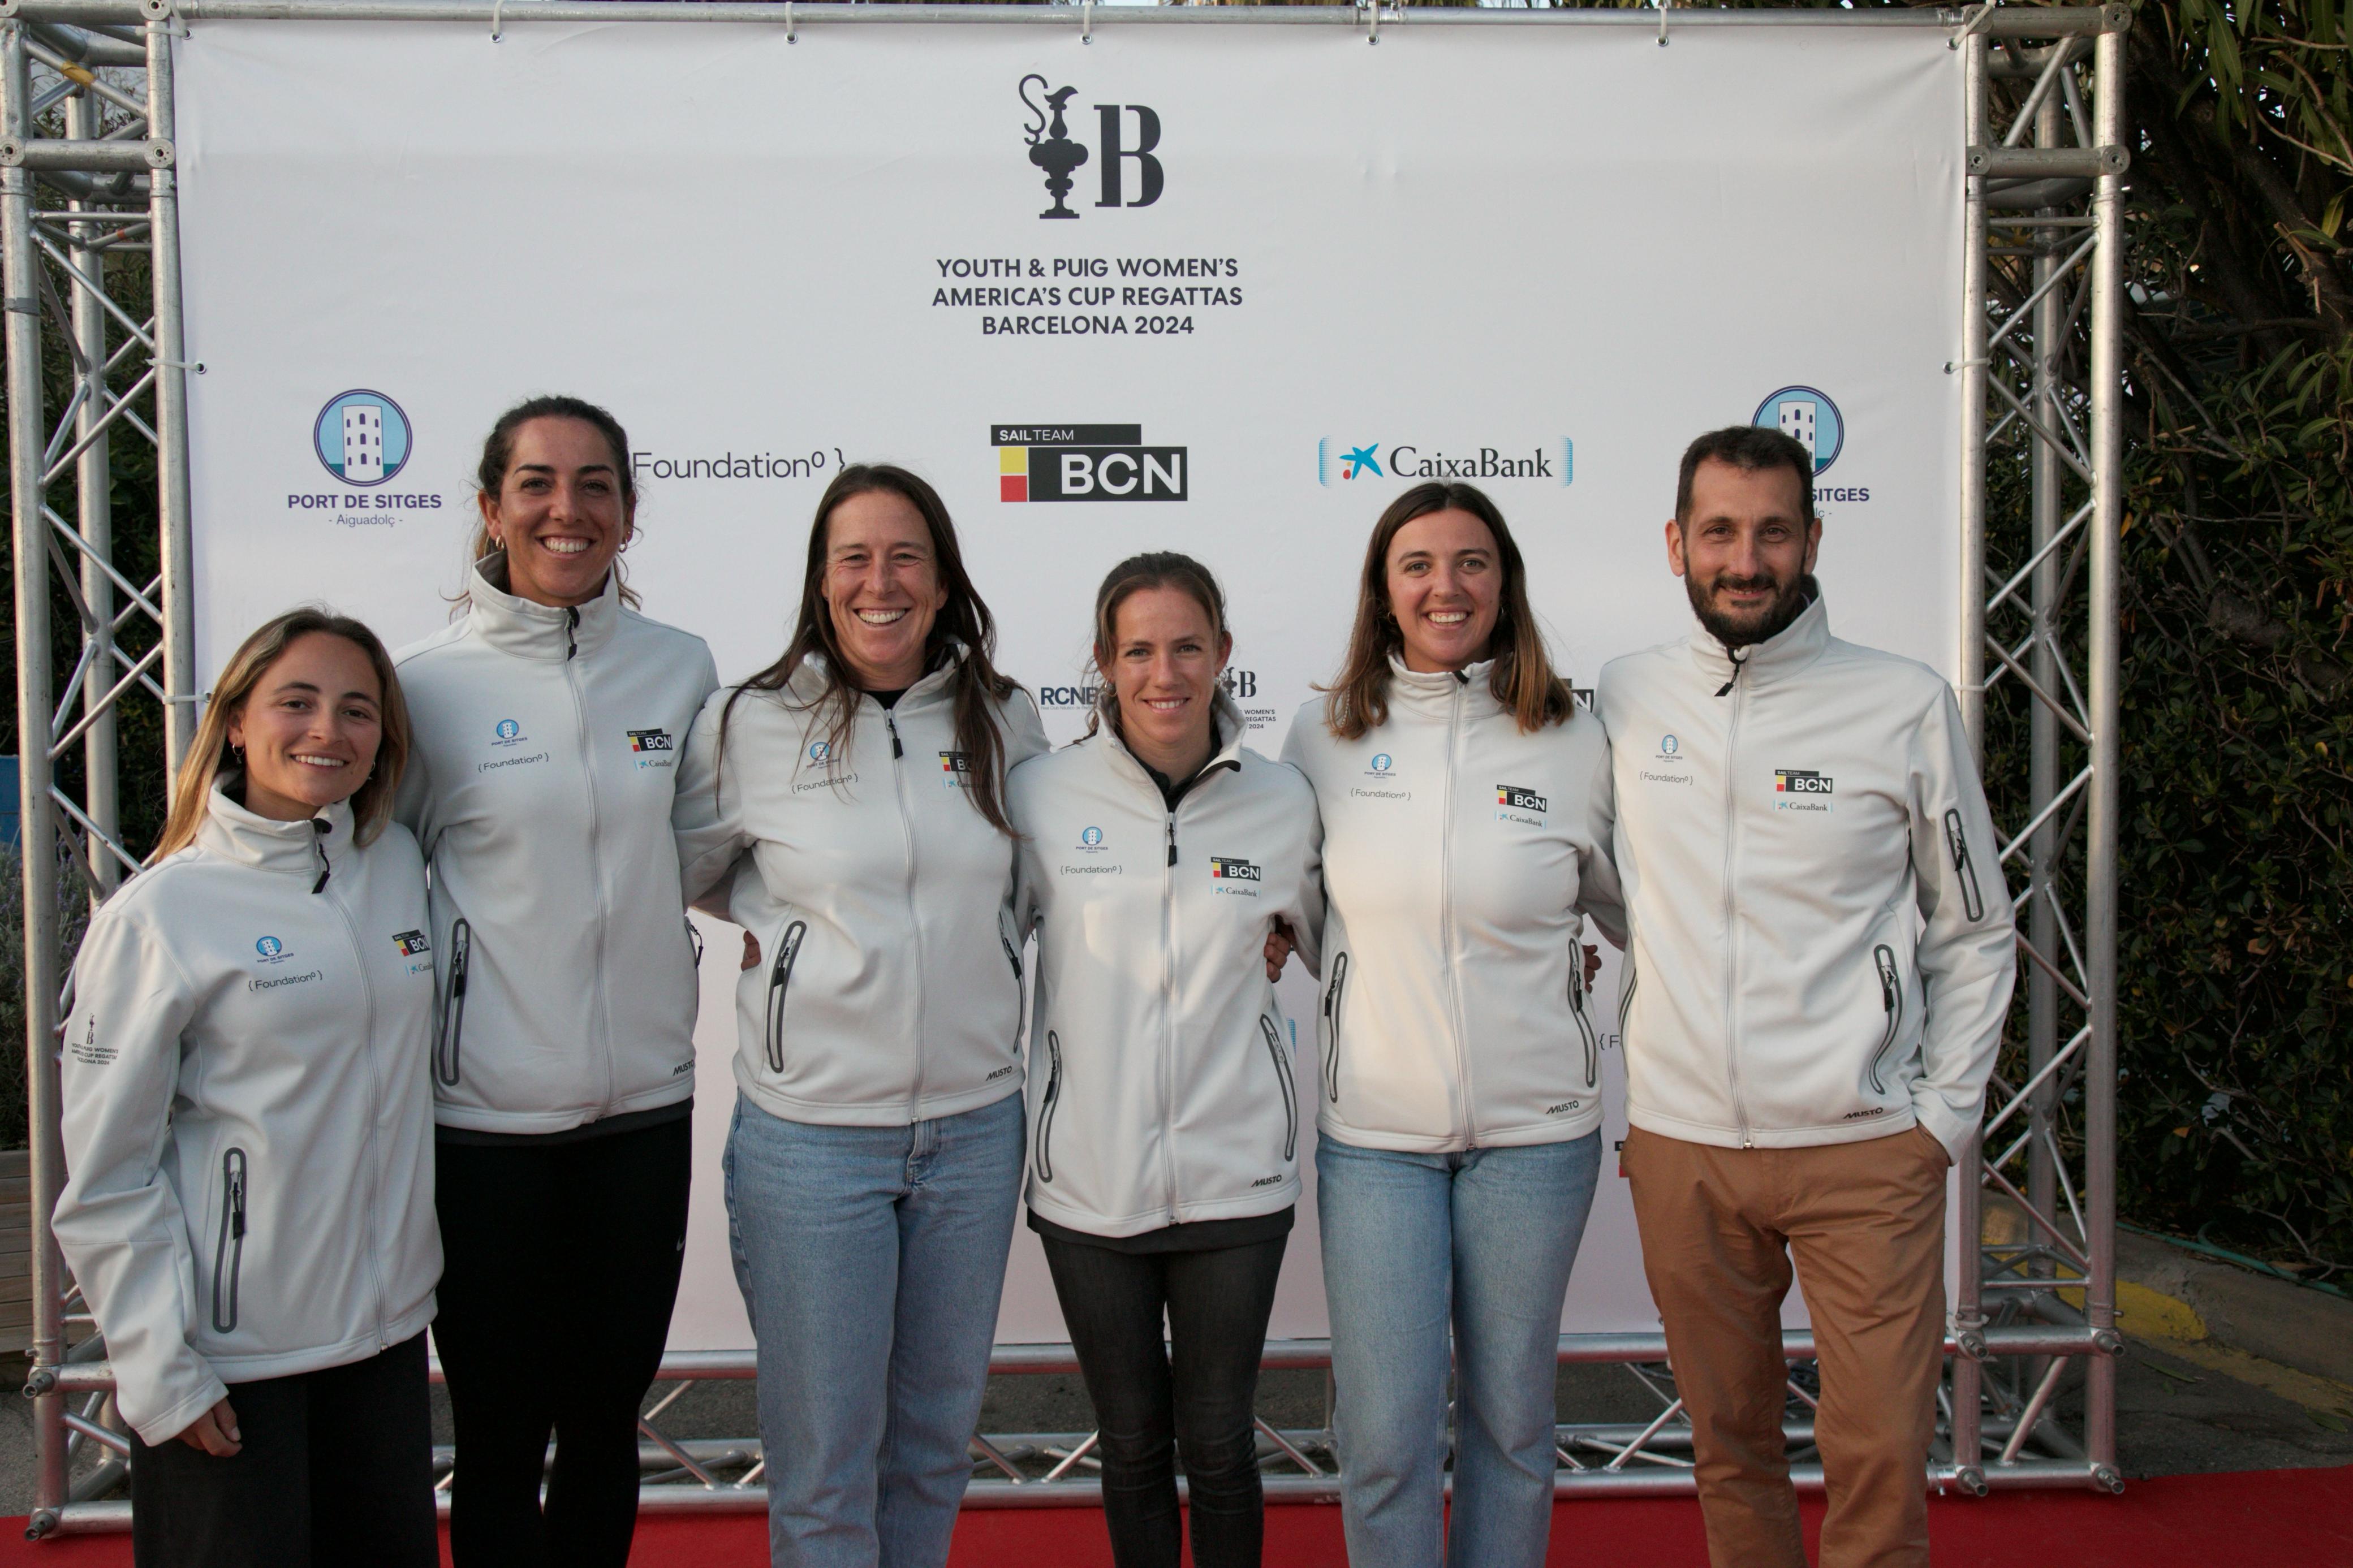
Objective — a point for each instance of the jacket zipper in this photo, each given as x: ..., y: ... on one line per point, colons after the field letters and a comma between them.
x: 1331, y: 998
x: 780, y: 980
x: 596, y: 835
x: 1584, y: 1024
x: 228, y: 1251
x: 1045, y: 1107
x: 1957, y: 841
x: 1446, y: 915
x: 914, y: 916
x: 375, y: 1113
x: 1169, y: 1018
x: 1890, y: 996
x: 1731, y: 929
x: 453, y: 1007
x: 1290, y: 1089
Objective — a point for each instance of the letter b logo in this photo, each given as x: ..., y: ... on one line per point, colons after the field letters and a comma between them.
x: 1115, y: 155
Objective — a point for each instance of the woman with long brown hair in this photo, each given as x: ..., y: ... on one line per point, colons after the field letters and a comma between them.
x: 1460, y: 1105
x: 248, y: 1127
x: 847, y: 805
x: 548, y: 715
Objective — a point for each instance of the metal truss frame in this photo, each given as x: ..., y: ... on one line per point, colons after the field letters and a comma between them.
x: 2030, y: 1401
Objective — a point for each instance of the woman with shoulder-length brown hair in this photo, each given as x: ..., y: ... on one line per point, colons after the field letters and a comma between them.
x: 847, y: 806
x: 249, y: 1125
x: 1459, y: 1107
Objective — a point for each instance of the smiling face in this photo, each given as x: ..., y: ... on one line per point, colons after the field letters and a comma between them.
x: 1163, y: 666
x: 310, y: 728
x: 560, y: 513
x: 1445, y: 586
x: 881, y: 588
x: 1745, y: 551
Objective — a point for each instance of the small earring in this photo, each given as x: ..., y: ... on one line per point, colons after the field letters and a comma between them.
x: 239, y: 751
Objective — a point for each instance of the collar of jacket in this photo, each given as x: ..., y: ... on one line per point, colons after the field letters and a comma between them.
x: 529, y: 630
x: 807, y: 685
x: 266, y: 844
x: 1430, y: 694
x: 1776, y: 658
x: 1225, y: 714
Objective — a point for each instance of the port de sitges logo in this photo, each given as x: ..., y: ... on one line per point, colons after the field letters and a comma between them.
x: 1340, y: 461
x: 1084, y: 462
x: 1807, y: 416
x: 362, y: 438
x: 1059, y: 155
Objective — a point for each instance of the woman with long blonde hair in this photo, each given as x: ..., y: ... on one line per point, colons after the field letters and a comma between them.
x: 248, y: 1127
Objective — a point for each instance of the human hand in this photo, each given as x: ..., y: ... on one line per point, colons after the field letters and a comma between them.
x: 1278, y: 948
x: 752, y: 951
x: 1592, y: 965
x: 215, y: 1432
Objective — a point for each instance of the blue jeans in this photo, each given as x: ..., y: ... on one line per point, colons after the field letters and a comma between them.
x: 871, y: 1260
x: 1483, y: 1239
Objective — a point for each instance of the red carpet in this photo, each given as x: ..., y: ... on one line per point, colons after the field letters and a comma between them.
x: 2303, y: 1518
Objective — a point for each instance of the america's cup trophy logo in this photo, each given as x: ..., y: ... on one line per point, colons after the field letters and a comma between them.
x: 1050, y: 147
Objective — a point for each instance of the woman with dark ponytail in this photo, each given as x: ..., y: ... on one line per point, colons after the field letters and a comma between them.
x: 846, y: 807
x: 547, y: 718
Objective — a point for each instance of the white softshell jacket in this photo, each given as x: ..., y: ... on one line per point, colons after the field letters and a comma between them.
x: 889, y: 986
x: 540, y: 787
x: 1823, y: 944
x: 1460, y: 858
x: 1162, y: 1090
x: 249, y: 1119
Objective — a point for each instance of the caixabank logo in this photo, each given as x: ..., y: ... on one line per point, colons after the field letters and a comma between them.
x: 1339, y: 461
x: 1085, y: 462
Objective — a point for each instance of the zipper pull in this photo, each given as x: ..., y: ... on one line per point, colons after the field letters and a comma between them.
x: 571, y: 625
x: 1171, y: 840
x: 319, y: 829
x: 1739, y: 664
x: 893, y: 725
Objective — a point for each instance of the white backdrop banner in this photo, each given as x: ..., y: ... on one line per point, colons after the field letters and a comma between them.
x: 1222, y: 289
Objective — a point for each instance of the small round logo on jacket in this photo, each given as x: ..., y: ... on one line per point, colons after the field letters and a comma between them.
x: 269, y: 947
x: 820, y: 750
x: 1091, y: 839
x: 361, y: 437
x: 1381, y: 762
x: 509, y: 730
x: 1669, y: 745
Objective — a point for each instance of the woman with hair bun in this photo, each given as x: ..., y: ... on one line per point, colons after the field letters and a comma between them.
x: 248, y: 1127
x: 1459, y: 1108
x: 1160, y: 857
x: 548, y: 719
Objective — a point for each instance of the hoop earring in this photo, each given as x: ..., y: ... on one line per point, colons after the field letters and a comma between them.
x: 239, y: 751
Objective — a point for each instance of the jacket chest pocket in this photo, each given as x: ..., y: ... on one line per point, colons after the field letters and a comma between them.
x: 1284, y: 1082
x: 229, y: 1243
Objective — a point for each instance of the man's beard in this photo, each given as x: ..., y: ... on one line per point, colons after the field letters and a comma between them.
x: 1788, y: 602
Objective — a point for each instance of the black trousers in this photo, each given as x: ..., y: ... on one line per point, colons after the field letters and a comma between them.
x: 1191, y: 1397
x: 336, y: 1468
x: 560, y: 1268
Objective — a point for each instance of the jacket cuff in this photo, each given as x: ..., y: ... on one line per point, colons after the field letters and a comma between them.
x: 197, y: 1391
x: 1953, y: 1131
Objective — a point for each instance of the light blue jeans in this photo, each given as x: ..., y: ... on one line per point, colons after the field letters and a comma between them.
x: 871, y: 1260
x: 1412, y: 1243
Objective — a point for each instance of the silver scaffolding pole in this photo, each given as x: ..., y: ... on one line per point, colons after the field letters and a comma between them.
x: 2019, y: 1344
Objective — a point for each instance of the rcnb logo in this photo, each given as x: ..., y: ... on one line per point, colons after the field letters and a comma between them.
x: 361, y: 437
x: 1058, y: 156
x: 1084, y: 462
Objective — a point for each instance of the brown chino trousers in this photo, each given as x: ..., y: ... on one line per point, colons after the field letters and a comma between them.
x: 1865, y: 1222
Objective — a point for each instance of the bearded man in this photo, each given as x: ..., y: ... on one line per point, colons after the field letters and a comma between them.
x: 1818, y: 962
